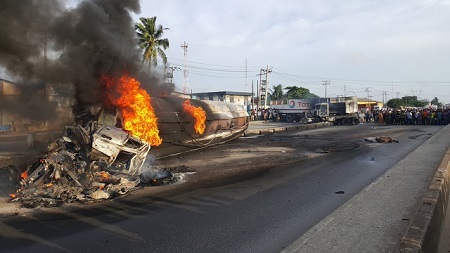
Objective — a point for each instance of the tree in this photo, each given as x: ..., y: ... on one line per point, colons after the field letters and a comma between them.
x: 150, y: 41
x: 435, y: 101
x: 276, y: 92
x: 299, y: 92
x: 395, y: 103
x: 408, y: 101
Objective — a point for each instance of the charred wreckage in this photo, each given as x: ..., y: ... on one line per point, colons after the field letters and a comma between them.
x: 99, y: 160
x: 85, y: 164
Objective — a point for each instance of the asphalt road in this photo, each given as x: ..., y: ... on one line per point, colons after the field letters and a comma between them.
x: 262, y: 212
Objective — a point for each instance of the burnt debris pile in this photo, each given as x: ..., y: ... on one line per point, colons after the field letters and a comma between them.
x: 85, y: 165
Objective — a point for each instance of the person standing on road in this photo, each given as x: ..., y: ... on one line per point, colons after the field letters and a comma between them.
x: 425, y: 117
x: 367, y: 116
x: 252, y: 116
x: 418, y: 119
x: 433, y: 118
x: 380, y: 117
x: 408, y: 117
x: 439, y: 117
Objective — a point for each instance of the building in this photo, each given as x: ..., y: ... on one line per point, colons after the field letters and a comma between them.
x: 241, y: 98
x: 8, y: 91
x: 368, y: 104
x: 16, y: 108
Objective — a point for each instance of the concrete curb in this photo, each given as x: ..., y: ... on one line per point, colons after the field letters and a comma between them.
x: 286, y: 129
x: 424, y: 231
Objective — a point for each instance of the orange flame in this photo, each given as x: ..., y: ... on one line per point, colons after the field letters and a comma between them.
x: 135, y: 105
x: 103, y: 174
x: 24, y: 175
x: 199, y: 115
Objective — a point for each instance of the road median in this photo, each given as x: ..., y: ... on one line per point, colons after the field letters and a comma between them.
x: 425, y: 229
x: 260, y: 128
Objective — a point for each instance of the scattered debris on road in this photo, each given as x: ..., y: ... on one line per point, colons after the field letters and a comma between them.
x: 383, y: 139
x: 86, y: 165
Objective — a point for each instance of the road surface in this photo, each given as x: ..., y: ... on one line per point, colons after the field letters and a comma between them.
x: 256, y: 194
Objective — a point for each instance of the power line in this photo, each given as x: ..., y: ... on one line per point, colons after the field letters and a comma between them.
x: 305, y: 78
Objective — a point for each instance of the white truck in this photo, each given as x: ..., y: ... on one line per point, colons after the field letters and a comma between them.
x: 339, y: 110
x: 296, y: 110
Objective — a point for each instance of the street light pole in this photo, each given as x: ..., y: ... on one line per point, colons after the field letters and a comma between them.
x: 326, y: 83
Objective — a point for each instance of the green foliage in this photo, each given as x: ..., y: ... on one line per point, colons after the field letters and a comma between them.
x: 435, y: 101
x: 408, y: 101
x: 277, y: 92
x: 150, y: 40
x: 395, y: 103
x: 298, y: 92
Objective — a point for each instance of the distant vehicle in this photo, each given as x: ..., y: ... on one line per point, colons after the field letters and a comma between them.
x: 296, y: 110
x: 338, y: 110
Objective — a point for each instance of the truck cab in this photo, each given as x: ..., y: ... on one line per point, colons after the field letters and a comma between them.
x: 322, y: 112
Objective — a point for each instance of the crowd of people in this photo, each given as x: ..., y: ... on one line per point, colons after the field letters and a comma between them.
x: 263, y: 114
x: 411, y: 116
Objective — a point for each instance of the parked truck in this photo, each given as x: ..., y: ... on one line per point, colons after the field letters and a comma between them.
x: 339, y: 110
x: 296, y: 110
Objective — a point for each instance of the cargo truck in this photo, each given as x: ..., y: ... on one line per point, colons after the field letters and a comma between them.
x: 338, y: 110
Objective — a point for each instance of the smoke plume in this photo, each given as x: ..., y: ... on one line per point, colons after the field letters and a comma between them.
x: 83, y: 43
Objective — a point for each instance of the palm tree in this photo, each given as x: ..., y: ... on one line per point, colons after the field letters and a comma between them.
x: 150, y: 41
x: 276, y: 93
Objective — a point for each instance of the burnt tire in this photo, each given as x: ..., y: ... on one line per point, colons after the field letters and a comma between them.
x: 288, y: 118
x: 355, y: 121
x: 345, y: 122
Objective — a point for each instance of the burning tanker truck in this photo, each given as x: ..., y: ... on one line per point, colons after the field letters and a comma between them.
x: 104, y: 156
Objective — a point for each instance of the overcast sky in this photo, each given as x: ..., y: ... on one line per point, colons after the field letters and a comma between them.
x: 401, y: 47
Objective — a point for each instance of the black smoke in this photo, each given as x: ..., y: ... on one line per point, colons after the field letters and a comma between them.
x: 85, y: 42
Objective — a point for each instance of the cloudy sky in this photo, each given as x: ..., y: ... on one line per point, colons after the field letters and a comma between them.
x: 366, y: 48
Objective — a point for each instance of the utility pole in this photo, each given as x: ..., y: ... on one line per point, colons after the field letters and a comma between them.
x: 263, y: 85
x: 165, y: 73
x: 392, y: 90
x: 368, y: 92
x: 259, y: 88
x: 326, y: 83
x: 368, y: 97
x: 186, y: 73
x: 246, y: 74
x: 170, y: 75
x: 253, y: 98
x: 257, y: 94
x: 384, y: 94
x: 43, y: 35
x: 267, y: 82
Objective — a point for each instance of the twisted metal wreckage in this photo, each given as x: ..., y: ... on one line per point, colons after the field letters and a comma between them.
x: 100, y: 161
x: 84, y: 165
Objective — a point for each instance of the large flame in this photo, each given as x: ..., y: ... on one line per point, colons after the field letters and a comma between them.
x: 135, y: 104
x: 199, y: 115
